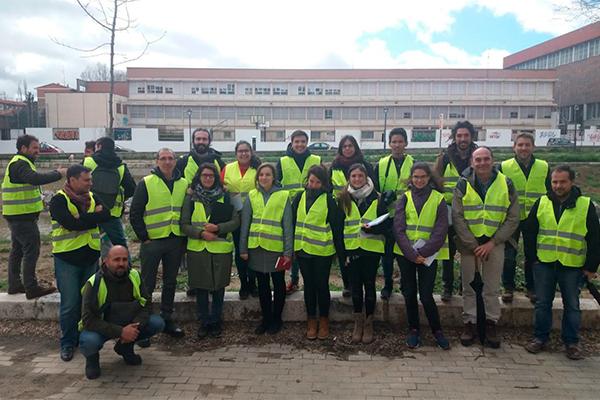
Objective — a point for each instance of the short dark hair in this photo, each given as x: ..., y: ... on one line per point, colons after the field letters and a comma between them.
x: 357, y: 151
x: 466, y: 125
x: 263, y: 166
x: 164, y: 149
x: 565, y: 168
x: 254, y: 160
x: 107, y: 144
x: 298, y: 132
x: 202, y: 167
x: 90, y: 144
x: 202, y: 130
x: 398, y: 131
x: 25, y: 140
x: 483, y: 147
x: 525, y: 135
x: 75, y: 170
x: 434, y: 180
x: 320, y: 173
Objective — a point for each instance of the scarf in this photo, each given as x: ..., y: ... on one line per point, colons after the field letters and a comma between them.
x: 361, y: 193
x: 81, y: 200
x: 344, y: 163
x: 206, y: 197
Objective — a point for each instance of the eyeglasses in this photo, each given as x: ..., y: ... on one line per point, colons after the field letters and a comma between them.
x: 211, y: 176
x: 243, y: 151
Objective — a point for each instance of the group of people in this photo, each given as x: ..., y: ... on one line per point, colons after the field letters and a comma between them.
x: 298, y: 215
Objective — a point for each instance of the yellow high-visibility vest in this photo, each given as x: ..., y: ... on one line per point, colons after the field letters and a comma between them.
x: 238, y: 184
x: 451, y: 176
x: 484, y: 217
x: 191, y: 168
x: 219, y: 245
x: 163, y: 209
x: 20, y: 198
x: 528, y: 188
x: 313, y: 233
x: 293, y: 179
x: 355, y: 237
x: 64, y: 240
x: 266, y: 229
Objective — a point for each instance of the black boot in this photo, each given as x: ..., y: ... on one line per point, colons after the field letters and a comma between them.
x: 92, y: 366
x: 126, y: 351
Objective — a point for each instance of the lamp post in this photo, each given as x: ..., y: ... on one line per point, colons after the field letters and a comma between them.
x: 441, y: 128
x: 189, y: 114
x: 385, y: 112
x: 576, y: 118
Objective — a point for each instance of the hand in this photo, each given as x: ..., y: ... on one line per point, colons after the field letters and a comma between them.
x: 590, y: 275
x: 211, y: 227
x: 244, y: 256
x: 420, y: 260
x: 147, y: 241
x: 98, y: 208
x: 208, y: 236
x: 130, y: 332
x: 62, y: 171
x: 484, y: 250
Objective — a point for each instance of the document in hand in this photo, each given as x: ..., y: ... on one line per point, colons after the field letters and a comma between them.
x: 378, y: 220
x: 282, y: 264
x: 429, y: 260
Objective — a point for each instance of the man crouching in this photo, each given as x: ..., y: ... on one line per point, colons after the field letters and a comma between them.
x: 115, y: 306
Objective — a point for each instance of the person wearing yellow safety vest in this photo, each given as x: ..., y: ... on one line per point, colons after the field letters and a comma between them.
x: 116, y: 305
x: 75, y: 214
x: 239, y: 178
x: 363, y: 246
x: 267, y: 234
x: 202, y: 152
x: 154, y: 216
x: 531, y: 178
x: 561, y: 235
x: 392, y: 174
x: 348, y: 154
x: 318, y: 235
x: 21, y: 207
x: 421, y: 231
x: 208, y: 219
x: 485, y: 212
x: 292, y: 170
x: 449, y: 165
x: 108, y: 171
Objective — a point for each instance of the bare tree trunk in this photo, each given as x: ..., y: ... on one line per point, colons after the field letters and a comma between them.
x: 112, y: 70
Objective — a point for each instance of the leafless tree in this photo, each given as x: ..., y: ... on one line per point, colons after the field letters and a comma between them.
x: 587, y: 10
x: 101, y: 72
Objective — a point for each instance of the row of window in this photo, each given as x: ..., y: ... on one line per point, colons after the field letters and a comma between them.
x: 577, y: 113
x: 568, y: 55
x: 341, y: 113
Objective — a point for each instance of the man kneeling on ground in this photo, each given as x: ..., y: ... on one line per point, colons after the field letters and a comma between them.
x: 115, y: 306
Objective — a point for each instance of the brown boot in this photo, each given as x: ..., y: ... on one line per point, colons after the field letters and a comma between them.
x: 491, y: 336
x: 368, y: 332
x: 357, y: 333
x: 311, y: 331
x: 39, y: 291
x: 323, y: 328
x: 467, y: 337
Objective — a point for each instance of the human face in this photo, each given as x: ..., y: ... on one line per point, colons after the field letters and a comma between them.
x: 82, y: 183
x: 523, y: 148
x: 397, y: 145
x: 207, y: 178
x: 358, y: 178
x: 117, y: 261
x: 266, y: 178
x: 419, y: 178
x: 201, y: 141
x: 88, y: 152
x: 561, y: 184
x: 243, y: 154
x: 299, y: 144
x: 348, y: 149
x: 33, y: 150
x: 166, y: 162
x: 482, y: 162
x: 463, y: 138
x: 313, y: 183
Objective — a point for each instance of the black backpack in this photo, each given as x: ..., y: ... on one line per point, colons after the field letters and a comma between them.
x: 106, y: 184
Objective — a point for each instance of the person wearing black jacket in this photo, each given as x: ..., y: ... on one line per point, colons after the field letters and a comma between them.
x: 561, y: 234
x: 202, y: 152
x: 20, y: 185
x: 319, y: 234
x: 76, y: 214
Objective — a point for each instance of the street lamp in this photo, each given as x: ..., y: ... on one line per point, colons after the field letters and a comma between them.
x: 441, y: 127
x: 385, y: 112
x: 189, y: 114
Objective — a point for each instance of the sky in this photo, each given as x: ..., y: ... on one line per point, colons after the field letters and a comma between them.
x: 271, y: 34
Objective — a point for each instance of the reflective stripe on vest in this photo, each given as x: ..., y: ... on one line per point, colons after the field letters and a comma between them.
x: 293, y: 179
x: 355, y: 237
x: 266, y: 229
x: 191, y: 168
x: 420, y: 226
x: 389, y: 179
x: 529, y: 189
x: 313, y: 233
x: 338, y: 180
x: 451, y: 176
x: 64, y: 240
x: 484, y: 217
x: 219, y: 245
x: 563, y: 241
x: 117, y: 209
x: 163, y: 208
x: 236, y: 183
x: 20, y: 198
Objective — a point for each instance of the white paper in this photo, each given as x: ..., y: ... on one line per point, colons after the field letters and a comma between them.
x: 377, y: 220
x: 429, y: 260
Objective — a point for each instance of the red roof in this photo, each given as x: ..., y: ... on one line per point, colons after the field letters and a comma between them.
x: 121, y: 88
x: 53, y: 86
x: 13, y: 103
x: 588, y: 32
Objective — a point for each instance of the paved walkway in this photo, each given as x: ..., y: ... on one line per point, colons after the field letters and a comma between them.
x: 282, y: 372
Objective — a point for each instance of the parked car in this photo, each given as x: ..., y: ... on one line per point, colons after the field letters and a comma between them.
x: 559, y: 142
x: 47, y: 148
x: 123, y: 149
x: 320, y: 146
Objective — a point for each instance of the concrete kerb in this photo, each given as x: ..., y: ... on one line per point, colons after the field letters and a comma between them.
x: 517, y: 314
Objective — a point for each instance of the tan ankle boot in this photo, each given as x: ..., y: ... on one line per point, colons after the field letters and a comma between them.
x: 357, y: 333
x: 368, y: 331
x: 311, y: 330
x: 323, y: 328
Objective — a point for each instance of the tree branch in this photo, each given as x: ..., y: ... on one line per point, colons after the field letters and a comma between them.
x: 89, y: 14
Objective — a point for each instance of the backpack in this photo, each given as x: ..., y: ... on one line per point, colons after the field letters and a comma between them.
x: 106, y: 184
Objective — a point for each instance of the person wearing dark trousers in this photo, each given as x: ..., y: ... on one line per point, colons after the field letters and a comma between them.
x: 292, y: 170
x: 154, y: 217
x: 420, y: 228
x: 318, y: 235
x: 267, y: 234
x: 21, y: 207
x: 363, y: 246
x: 450, y: 165
x: 76, y: 214
x: 208, y: 219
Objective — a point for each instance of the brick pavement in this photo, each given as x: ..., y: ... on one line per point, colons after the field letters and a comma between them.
x: 276, y: 371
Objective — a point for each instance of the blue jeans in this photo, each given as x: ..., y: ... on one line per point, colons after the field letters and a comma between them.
x: 214, y: 316
x: 70, y: 279
x: 113, y: 235
x: 570, y: 281
x: 91, y: 342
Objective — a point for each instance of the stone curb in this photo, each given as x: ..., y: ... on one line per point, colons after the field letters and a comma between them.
x: 517, y: 314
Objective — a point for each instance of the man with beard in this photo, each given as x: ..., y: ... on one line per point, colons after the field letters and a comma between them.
x: 450, y: 164
x: 202, y: 152
x: 76, y: 214
x: 115, y: 306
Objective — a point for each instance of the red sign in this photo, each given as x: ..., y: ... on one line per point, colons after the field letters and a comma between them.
x: 65, y: 134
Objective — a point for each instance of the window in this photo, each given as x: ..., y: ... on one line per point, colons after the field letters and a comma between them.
x: 475, y: 88
x: 154, y: 89
x: 420, y: 112
x: 208, y: 89
x: 423, y: 135
x: 315, y: 113
x: 328, y: 113
x: 528, y: 88
x: 298, y: 113
x: 262, y: 90
x: 301, y: 90
x: 510, y: 88
x: 227, y: 113
x: 456, y: 112
x: 351, y: 89
x: 544, y: 112
x: 174, y: 112
x: 248, y: 91
x: 527, y: 112
x: 368, y: 113
x: 155, y: 112
x: 222, y: 136
x: 367, y: 135
x: 368, y: 89
x: 138, y: 112
x: 315, y: 89
x: 333, y: 92
x: 492, y: 112
x: 280, y: 91
x: 440, y: 87
x: 124, y: 108
x: 169, y: 90
x: 169, y: 134
x: 386, y: 88
x: 280, y: 113
x: 510, y: 112
x: 404, y: 88
x: 141, y: 89
x: 474, y: 112
x: 580, y: 52
x: 195, y: 90
x: 493, y: 87
x: 422, y: 88
x: 118, y: 108
x: 227, y: 88
x: 350, y: 113
x: 210, y: 112
x: 315, y: 135
x: 322, y: 136
x: 279, y: 135
x: 407, y: 115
